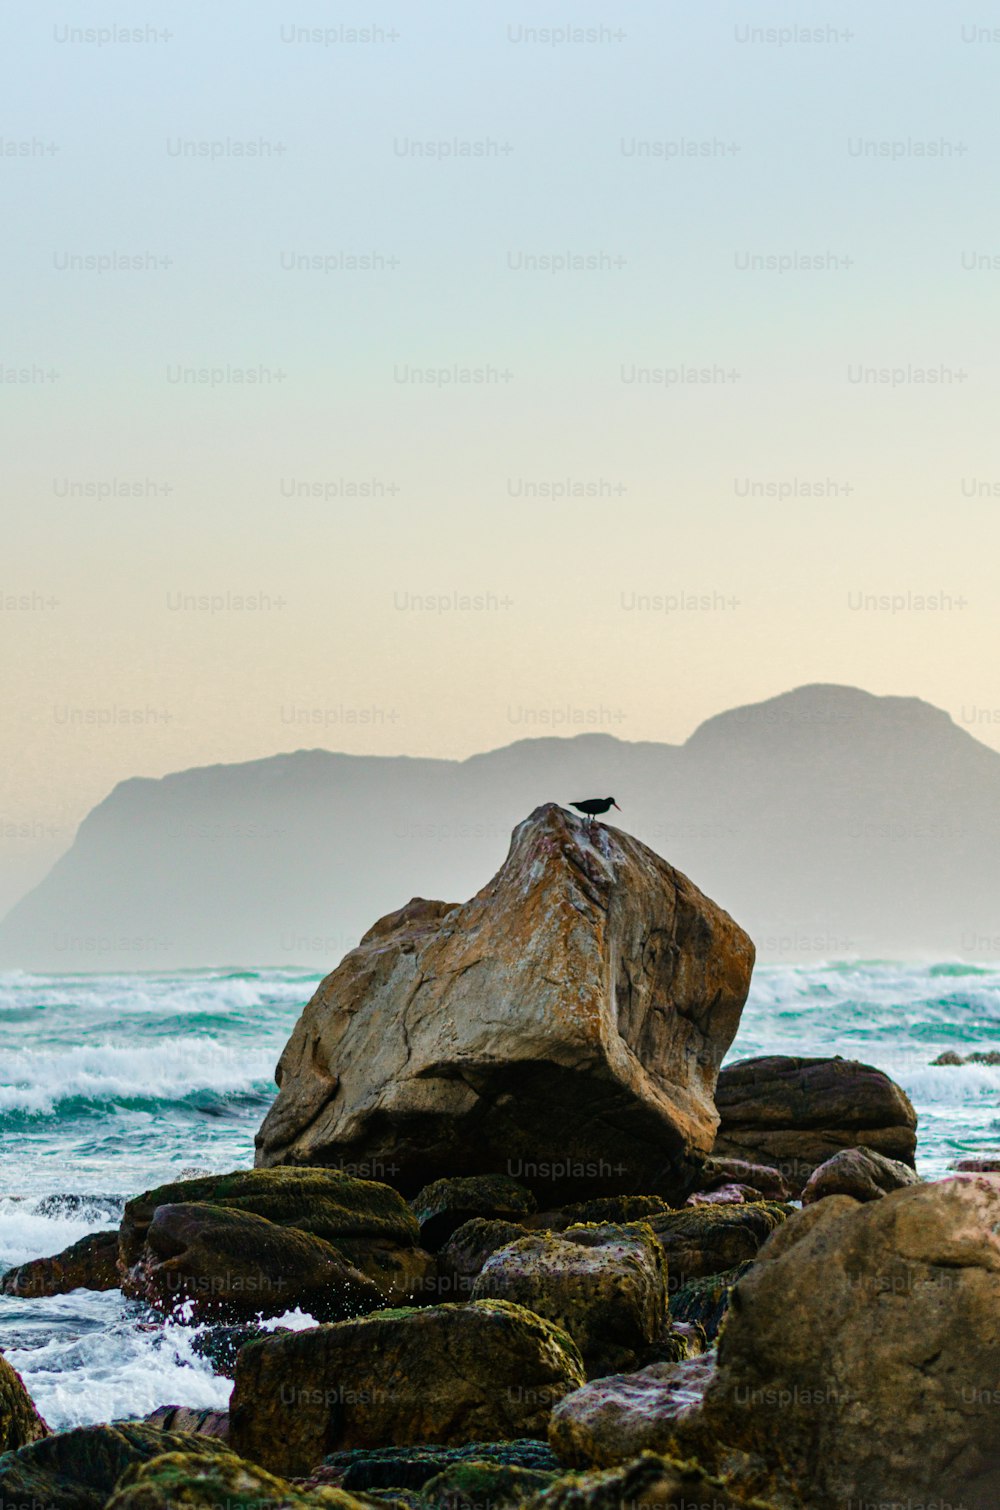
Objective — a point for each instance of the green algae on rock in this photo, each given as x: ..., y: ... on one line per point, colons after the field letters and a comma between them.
x: 20, y: 1422
x: 613, y: 1419
x: 463, y: 1255
x: 391, y: 1468
x: 477, y: 1484
x: 706, y: 1300
x: 450, y: 1373
x: 700, y: 1240
x: 216, y: 1262
x: 650, y: 1482
x: 210, y: 1483
x: 445, y: 1205
x: 605, y: 1285
x: 78, y: 1469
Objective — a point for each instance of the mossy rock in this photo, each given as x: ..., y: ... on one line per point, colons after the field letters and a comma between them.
x: 700, y: 1240
x: 486, y: 1370
x: 651, y: 1481
x: 706, y: 1300
x: 445, y: 1205
x: 78, y: 1469
x: 90, y: 1264
x: 478, y: 1485
x: 196, y: 1482
x: 391, y: 1468
x: 233, y: 1265
x: 461, y: 1259
x: 606, y: 1285
x: 605, y: 1208
x: 220, y: 1345
x: 20, y: 1422
x: 332, y: 1206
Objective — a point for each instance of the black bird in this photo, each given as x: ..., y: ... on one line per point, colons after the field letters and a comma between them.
x: 594, y: 805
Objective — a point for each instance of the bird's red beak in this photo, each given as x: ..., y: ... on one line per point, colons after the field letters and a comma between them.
x: 614, y: 804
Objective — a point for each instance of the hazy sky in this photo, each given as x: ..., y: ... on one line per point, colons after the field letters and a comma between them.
x: 581, y: 536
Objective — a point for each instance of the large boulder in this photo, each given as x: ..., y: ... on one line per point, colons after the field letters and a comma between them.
x: 78, y: 1469
x: 20, y: 1422
x: 565, y: 1026
x: 794, y: 1114
x: 859, y: 1361
x: 369, y: 1224
x: 447, y: 1374
x: 858, y: 1172
x: 90, y: 1264
x: 605, y: 1285
x: 206, y: 1262
x: 463, y: 1255
x: 649, y: 1482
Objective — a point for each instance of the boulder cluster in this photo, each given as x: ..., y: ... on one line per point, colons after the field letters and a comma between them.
x: 556, y: 1257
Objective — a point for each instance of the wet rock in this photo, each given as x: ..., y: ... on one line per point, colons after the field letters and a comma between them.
x: 186, y: 1418
x: 704, y: 1302
x: 613, y: 1419
x: 651, y: 1482
x: 90, y: 1264
x: 608, y: 1208
x: 988, y: 1165
x: 723, y: 1195
x: 495, y: 1486
x: 702, y: 1240
x: 858, y: 1362
x: 794, y: 1114
x: 205, y: 1261
x: 384, y: 1469
x: 859, y: 1172
x: 220, y: 1345
x: 20, y: 1422
x: 978, y: 1056
x: 605, y: 1285
x: 769, y: 1183
x: 369, y: 1223
x: 463, y: 1256
x: 566, y: 1024
x: 447, y: 1374
x: 225, y: 1482
x: 78, y: 1469
x: 444, y: 1206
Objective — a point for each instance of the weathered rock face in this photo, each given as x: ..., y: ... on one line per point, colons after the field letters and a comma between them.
x: 794, y: 1114
x: 710, y: 1239
x: 651, y: 1482
x: 462, y: 1257
x: 858, y: 1172
x: 770, y: 1184
x: 363, y: 1470
x: 444, y: 1206
x: 78, y: 1469
x: 565, y: 1026
x: 447, y: 1374
x: 222, y: 1263
x: 186, y: 1418
x: 614, y: 1419
x: 858, y: 1362
x: 273, y: 1246
x: 20, y: 1422
x: 90, y: 1264
x: 210, y: 1483
x: 606, y: 1286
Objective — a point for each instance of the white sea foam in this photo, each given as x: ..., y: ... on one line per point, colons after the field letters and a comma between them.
x: 91, y: 1363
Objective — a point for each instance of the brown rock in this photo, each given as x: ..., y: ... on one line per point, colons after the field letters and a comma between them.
x: 20, y: 1422
x: 202, y: 1423
x: 769, y: 1183
x: 860, y: 1173
x: 604, y: 1285
x: 701, y: 1240
x: 463, y: 1256
x: 858, y: 1362
x: 90, y: 1264
x: 444, y: 1206
x: 448, y: 1374
x: 566, y: 1025
x: 794, y: 1114
x: 614, y: 1419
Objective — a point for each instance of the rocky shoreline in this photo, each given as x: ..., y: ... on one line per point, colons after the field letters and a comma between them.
x: 557, y: 1257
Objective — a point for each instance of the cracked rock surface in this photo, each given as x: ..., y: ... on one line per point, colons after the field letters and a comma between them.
x: 565, y: 1027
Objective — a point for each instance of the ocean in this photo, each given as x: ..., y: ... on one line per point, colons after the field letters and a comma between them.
x: 110, y: 1084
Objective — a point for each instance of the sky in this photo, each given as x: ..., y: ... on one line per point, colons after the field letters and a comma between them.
x: 411, y: 379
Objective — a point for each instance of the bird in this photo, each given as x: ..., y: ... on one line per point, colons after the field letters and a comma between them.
x: 594, y: 805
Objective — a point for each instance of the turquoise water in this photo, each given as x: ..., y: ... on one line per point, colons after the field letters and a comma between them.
x: 111, y: 1084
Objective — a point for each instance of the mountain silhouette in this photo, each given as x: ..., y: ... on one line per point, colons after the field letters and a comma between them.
x: 830, y: 822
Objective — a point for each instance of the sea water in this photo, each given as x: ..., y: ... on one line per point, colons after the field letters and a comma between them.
x: 111, y: 1084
